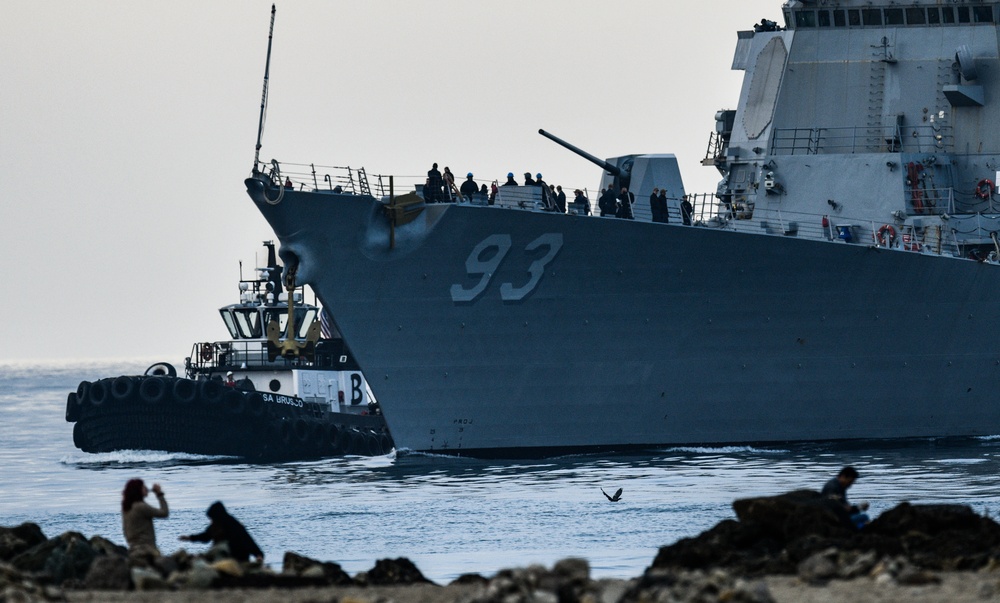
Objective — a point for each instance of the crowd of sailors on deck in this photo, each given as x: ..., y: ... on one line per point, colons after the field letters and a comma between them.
x: 441, y: 188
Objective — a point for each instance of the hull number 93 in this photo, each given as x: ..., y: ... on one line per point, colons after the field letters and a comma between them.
x: 485, y: 260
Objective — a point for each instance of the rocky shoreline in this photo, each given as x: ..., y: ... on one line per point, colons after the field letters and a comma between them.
x: 792, y: 547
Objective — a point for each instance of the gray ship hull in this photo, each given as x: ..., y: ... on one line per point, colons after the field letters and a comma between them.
x: 641, y: 334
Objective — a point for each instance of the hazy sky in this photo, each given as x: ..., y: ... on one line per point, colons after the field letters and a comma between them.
x: 127, y: 129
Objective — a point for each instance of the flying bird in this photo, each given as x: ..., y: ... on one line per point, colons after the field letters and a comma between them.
x: 615, y: 498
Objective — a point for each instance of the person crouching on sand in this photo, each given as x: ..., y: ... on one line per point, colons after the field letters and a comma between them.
x: 225, y: 528
x: 137, y: 518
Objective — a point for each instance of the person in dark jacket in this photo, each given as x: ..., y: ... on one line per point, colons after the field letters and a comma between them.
x: 663, y: 205
x: 686, y: 211
x: 469, y: 187
x: 560, y: 199
x: 625, y: 200
x: 581, y: 203
x: 528, y: 180
x: 607, y: 202
x: 836, y: 490
x: 510, y: 180
x: 226, y: 528
x: 432, y: 187
x: 655, y: 208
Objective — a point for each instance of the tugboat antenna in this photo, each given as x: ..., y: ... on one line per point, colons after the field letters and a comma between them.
x: 263, y: 96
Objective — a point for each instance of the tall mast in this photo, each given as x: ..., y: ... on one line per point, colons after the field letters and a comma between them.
x: 263, y: 96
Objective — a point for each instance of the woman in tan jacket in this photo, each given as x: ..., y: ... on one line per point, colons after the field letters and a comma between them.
x: 137, y: 517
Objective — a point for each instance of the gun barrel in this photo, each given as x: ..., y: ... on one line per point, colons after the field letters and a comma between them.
x: 611, y: 169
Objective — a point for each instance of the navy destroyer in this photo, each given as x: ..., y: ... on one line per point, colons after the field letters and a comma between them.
x: 840, y: 283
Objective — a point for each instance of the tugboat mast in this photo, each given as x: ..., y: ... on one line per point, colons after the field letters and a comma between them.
x: 263, y: 96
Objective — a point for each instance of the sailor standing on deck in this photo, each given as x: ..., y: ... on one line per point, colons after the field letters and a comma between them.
x: 432, y: 188
x: 625, y: 200
x: 469, y: 188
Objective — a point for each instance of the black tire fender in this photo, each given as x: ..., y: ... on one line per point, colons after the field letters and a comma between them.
x: 185, y: 391
x: 153, y: 390
x: 72, y: 408
x: 98, y: 393
x: 122, y: 389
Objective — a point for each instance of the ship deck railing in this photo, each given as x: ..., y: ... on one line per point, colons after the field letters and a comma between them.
x: 213, y: 357
x: 967, y: 220
x: 862, y: 139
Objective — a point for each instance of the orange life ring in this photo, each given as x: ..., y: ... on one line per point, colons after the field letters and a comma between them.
x: 206, y: 351
x: 985, y: 189
x: 886, y: 236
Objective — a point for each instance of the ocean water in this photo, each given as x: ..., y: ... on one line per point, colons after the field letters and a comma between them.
x: 448, y: 515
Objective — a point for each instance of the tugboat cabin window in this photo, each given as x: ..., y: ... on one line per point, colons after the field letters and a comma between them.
x: 227, y: 317
x: 303, y: 318
x: 248, y: 323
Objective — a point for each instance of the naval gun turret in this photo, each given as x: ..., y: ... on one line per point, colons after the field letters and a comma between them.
x: 621, y: 173
x: 640, y: 174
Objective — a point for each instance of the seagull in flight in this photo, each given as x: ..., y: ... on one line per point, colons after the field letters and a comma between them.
x: 615, y: 498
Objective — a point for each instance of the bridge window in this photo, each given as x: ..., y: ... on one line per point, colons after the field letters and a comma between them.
x: 805, y: 18
x: 854, y: 17
x: 933, y: 16
x: 839, y: 18
x: 248, y: 323
x: 893, y: 16
x: 963, y: 14
x: 983, y: 14
x: 947, y: 15
x: 227, y: 318
x: 872, y: 16
x: 915, y: 16
x: 823, y: 18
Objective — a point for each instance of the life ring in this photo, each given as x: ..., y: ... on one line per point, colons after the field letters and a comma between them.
x: 985, y: 189
x: 205, y: 351
x: 886, y: 236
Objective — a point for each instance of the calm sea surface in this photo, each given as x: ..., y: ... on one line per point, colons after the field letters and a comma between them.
x: 449, y: 516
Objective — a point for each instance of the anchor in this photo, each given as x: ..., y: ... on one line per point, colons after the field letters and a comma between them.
x: 290, y: 348
x: 401, y: 210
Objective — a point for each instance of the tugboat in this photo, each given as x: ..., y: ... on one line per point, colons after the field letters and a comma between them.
x: 285, y: 387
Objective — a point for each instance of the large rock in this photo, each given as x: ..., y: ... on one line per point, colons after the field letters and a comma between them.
x: 65, y: 557
x: 395, y: 571
x: 331, y: 573
x: 774, y: 535
x: 108, y: 572
x: 15, y: 540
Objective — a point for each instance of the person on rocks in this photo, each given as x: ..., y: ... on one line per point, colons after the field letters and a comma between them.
x: 836, y: 490
x: 138, y: 515
x: 224, y: 528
